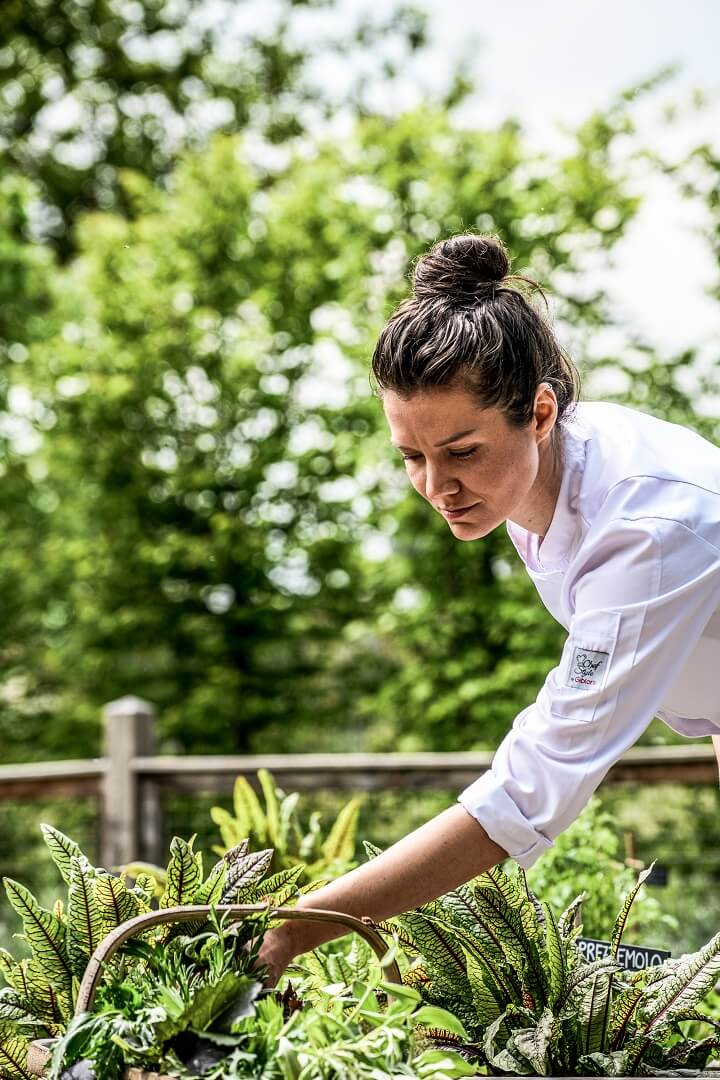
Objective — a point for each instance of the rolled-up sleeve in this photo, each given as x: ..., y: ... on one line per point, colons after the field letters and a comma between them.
x: 643, y: 593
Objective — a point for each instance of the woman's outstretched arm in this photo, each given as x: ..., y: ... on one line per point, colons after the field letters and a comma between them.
x: 440, y: 855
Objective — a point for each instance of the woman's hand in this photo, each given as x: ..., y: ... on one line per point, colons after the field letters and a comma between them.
x: 276, y: 953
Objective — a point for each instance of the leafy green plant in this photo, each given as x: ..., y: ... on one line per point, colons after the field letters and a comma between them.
x: 41, y: 989
x: 587, y: 858
x: 277, y: 824
x: 226, y: 1028
x: 512, y: 974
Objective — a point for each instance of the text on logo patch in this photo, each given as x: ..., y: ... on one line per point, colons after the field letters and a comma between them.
x: 587, y: 668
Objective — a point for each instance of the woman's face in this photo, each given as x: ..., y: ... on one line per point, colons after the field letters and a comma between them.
x: 471, y: 465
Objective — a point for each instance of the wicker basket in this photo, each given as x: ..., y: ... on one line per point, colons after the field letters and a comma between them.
x: 41, y: 1049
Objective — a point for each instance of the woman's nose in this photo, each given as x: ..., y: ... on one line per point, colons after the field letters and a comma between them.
x: 439, y: 482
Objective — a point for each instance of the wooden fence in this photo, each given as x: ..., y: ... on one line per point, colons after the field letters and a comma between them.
x: 130, y: 779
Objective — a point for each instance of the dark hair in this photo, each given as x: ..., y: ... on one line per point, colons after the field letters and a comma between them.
x: 469, y: 323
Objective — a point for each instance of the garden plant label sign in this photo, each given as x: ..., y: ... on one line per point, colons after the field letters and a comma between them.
x: 630, y: 957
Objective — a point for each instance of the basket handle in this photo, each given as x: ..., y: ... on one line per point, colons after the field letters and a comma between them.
x: 187, y: 913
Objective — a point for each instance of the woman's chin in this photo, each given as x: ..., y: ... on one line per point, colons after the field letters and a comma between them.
x: 471, y: 530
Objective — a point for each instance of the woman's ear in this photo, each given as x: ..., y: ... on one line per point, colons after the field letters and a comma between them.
x: 545, y: 411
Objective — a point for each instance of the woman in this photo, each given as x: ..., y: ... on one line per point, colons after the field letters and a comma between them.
x: 616, y: 516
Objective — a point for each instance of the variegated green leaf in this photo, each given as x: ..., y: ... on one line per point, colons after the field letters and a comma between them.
x: 50, y: 1001
x: 458, y: 942
x: 512, y: 892
x: 499, y: 1033
x: 437, y: 942
x: 245, y: 872
x: 44, y: 933
x: 518, y: 931
x: 602, y: 1064
x: 621, y: 921
x: 691, y: 979
x: 372, y: 850
x: 63, y: 850
x: 460, y: 909
x: 593, y: 1010
x: 115, y: 902
x: 211, y: 890
x: 555, y: 952
x: 582, y: 974
x: 16, y: 1010
x: 7, y: 963
x: 488, y: 999
x: 183, y: 875
x: 233, y: 854
x: 536, y: 1043
x: 570, y: 919
x: 144, y: 889
x: 621, y: 1014
x: 340, y: 843
x: 276, y: 890
x: 84, y: 920
x: 13, y: 1056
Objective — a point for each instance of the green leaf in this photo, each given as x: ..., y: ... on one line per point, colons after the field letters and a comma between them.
x: 593, y: 1011
x: 433, y: 1017
x: 245, y: 872
x: 512, y: 893
x: 288, y: 825
x: 116, y: 904
x: 84, y: 918
x: 280, y: 887
x: 372, y: 850
x: 340, y: 843
x: 488, y: 998
x: 248, y: 810
x: 555, y: 952
x: 570, y: 921
x: 13, y: 1056
x: 62, y: 849
x: 231, y: 831
x: 518, y: 931
x: 208, y: 1003
x: 536, y: 1042
x: 688, y: 982
x: 621, y: 921
x: 272, y: 808
x: 211, y: 890
x: 183, y: 875
x: 44, y: 933
x: 581, y: 974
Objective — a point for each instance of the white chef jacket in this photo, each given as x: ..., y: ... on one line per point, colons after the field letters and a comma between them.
x: 630, y: 566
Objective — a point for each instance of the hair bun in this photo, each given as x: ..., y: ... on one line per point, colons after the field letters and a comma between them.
x: 462, y: 270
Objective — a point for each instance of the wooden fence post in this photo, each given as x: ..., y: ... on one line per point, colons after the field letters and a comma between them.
x: 131, y: 811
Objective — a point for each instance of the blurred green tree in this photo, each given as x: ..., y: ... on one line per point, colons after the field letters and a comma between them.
x: 222, y: 496
x: 91, y: 88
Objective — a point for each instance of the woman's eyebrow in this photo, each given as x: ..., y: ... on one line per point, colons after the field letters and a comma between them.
x: 457, y: 435
x: 443, y: 442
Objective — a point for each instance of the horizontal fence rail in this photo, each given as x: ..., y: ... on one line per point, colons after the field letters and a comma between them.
x: 130, y: 779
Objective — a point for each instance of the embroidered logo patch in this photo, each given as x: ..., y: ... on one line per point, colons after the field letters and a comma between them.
x: 587, y: 668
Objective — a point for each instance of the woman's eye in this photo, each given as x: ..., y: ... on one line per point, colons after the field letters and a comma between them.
x: 464, y: 453
x: 410, y: 457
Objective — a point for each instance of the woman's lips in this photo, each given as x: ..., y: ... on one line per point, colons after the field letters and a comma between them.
x: 452, y: 515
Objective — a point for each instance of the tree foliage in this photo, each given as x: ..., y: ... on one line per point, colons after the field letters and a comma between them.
x: 199, y: 504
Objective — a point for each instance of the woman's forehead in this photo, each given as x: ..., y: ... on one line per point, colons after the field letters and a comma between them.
x: 437, y: 415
